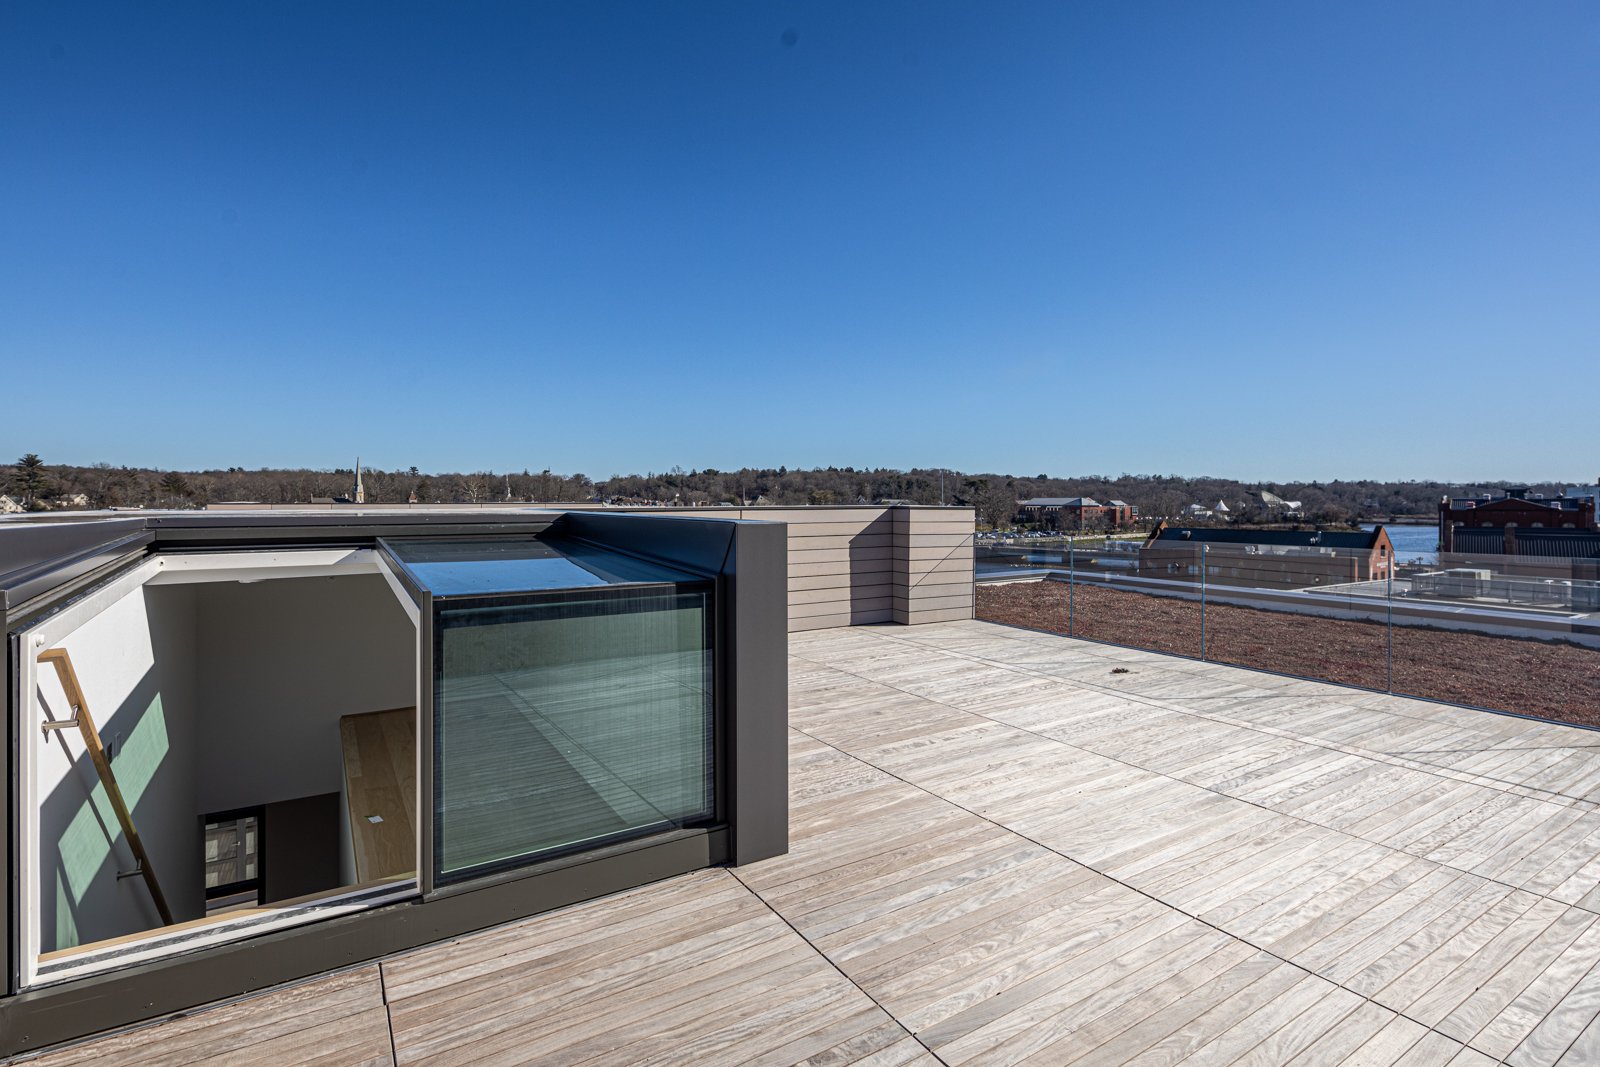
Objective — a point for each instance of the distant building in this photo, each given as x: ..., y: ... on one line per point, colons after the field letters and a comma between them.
x: 1540, y: 543
x: 1580, y: 492
x: 1077, y: 513
x: 1220, y: 510
x: 1274, y: 502
x: 1273, y: 559
x: 356, y: 495
x: 1516, y: 511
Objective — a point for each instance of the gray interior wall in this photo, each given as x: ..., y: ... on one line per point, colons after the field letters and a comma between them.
x: 135, y: 662
x: 180, y: 863
x: 304, y: 842
x: 209, y: 697
x: 279, y: 662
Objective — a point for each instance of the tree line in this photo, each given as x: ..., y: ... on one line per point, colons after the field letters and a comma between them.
x: 36, y: 485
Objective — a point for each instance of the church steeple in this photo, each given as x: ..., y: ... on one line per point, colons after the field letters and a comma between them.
x: 359, y: 493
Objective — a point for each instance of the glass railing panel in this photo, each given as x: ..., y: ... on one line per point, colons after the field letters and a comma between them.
x: 1512, y: 633
x: 1096, y: 588
x: 1150, y: 599
x: 1304, y: 610
x: 1021, y: 580
x: 1517, y: 633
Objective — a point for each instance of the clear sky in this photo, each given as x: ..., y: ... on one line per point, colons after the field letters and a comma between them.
x: 1262, y: 240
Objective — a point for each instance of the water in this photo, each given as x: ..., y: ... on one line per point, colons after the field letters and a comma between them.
x: 990, y: 560
x: 1413, y: 542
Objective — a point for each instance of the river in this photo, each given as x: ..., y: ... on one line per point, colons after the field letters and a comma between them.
x: 1413, y: 542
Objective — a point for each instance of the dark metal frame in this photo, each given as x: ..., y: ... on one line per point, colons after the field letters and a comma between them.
x: 259, y: 813
x: 43, y: 568
x: 429, y: 877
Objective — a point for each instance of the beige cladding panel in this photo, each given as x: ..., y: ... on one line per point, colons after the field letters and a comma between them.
x: 856, y: 580
x: 929, y: 592
x: 917, y: 618
x: 854, y: 565
x: 839, y: 555
x: 950, y: 569
x: 954, y: 600
x: 934, y: 565
x: 841, y: 529
x: 818, y: 569
x: 828, y: 622
x: 836, y: 596
x: 847, y: 608
x: 924, y: 550
x: 800, y: 542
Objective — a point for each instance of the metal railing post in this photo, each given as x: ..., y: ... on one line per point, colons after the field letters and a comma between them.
x: 1072, y: 578
x: 1388, y: 666
x: 1203, y: 553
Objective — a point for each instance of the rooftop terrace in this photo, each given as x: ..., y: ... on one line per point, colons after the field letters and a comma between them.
x: 1014, y: 846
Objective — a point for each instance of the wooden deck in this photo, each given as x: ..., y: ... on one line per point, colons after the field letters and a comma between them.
x: 1005, y: 852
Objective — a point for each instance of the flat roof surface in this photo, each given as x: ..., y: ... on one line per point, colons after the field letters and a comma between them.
x: 1004, y: 852
x: 1357, y: 539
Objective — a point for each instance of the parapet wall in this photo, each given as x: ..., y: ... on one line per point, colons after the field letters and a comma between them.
x: 848, y: 565
x: 868, y: 563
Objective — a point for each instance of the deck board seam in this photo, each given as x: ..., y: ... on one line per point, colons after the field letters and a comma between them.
x: 1377, y: 755
x: 388, y: 1013
x: 830, y: 961
x: 1172, y: 778
x: 1134, y: 889
x: 1120, y: 882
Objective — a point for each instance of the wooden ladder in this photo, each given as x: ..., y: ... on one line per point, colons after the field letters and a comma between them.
x: 91, y: 737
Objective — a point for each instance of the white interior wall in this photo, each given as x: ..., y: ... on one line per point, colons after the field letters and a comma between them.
x: 135, y: 662
x: 278, y: 663
x: 210, y: 696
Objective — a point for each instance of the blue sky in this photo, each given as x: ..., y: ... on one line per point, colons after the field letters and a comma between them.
x: 1271, y: 241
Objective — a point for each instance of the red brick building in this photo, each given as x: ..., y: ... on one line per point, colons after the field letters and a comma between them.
x: 1078, y: 513
x: 1515, y: 509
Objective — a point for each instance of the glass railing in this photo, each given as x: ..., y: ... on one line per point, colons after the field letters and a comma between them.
x: 1510, y: 633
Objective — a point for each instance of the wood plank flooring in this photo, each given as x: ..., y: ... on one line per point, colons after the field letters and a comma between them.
x: 380, y: 781
x: 336, y: 1020
x: 1004, y: 852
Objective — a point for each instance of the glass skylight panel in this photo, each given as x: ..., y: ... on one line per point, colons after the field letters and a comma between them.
x: 488, y: 567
